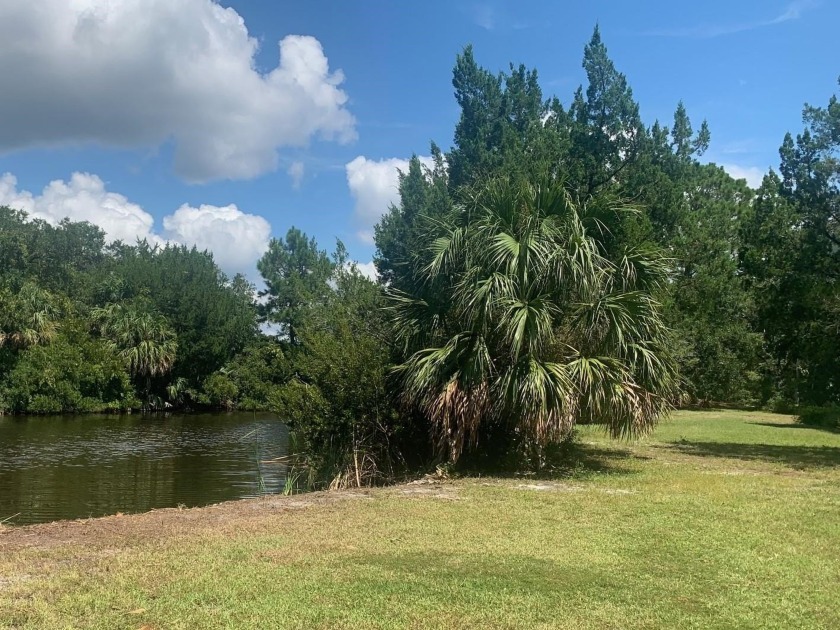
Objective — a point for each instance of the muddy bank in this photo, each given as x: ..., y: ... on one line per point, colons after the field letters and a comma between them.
x: 130, y: 529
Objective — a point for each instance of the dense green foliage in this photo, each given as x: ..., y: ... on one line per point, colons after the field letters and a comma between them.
x: 824, y: 417
x: 533, y: 327
x: 338, y: 402
x: 76, y: 372
x: 296, y: 274
x: 323, y: 366
x: 86, y: 326
x: 751, y: 291
x: 560, y: 263
x: 792, y: 258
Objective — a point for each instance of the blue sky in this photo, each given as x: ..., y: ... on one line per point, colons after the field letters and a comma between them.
x: 223, y: 125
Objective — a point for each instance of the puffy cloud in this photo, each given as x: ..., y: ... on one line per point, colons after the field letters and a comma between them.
x: 367, y: 269
x: 753, y: 174
x: 83, y: 198
x: 375, y: 186
x: 296, y: 171
x: 138, y: 73
x: 236, y: 239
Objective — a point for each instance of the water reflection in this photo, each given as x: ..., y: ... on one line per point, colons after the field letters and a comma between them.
x: 74, y: 467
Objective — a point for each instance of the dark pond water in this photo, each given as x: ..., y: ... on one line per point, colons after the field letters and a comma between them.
x: 55, y: 468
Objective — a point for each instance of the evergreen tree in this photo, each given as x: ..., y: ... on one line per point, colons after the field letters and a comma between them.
x: 296, y: 273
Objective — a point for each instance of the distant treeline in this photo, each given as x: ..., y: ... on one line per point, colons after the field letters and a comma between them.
x: 86, y: 326
x: 559, y: 263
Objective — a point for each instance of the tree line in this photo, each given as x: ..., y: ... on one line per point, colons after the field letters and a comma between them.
x: 86, y: 326
x: 560, y: 263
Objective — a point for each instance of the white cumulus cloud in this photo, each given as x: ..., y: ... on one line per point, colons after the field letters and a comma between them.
x: 83, y: 198
x: 235, y: 238
x: 367, y: 269
x: 374, y: 185
x: 138, y: 73
x: 753, y: 174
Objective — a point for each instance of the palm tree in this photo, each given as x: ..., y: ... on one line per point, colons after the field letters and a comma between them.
x: 143, y: 338
x: 519, y: 319
x: 28, y: 317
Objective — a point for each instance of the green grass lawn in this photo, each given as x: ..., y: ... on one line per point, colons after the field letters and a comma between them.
x: 719, y: 520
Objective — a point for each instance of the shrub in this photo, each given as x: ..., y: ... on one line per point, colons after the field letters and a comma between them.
x: 74, y: 373
x: 256, y: 373
x: 338, y: 404
x: 823, y: 417
x: 220, y: 391
x: 779, y: 403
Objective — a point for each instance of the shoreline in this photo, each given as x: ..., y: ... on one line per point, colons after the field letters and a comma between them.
x: 602, y: 547
x: 190, y: 520
x: 175, y: 519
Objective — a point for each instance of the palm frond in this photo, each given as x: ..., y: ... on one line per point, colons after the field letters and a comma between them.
x: 520, y: 316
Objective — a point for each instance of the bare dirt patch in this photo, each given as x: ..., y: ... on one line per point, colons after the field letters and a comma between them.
x: 549, y: 487
x: 431, y: 493
x: 132, y: 529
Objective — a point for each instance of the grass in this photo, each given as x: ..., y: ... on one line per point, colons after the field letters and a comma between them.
x: 719, y: 520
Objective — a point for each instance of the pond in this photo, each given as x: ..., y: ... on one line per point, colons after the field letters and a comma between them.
x: 66, y: 467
